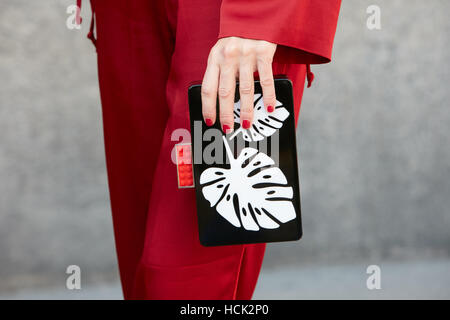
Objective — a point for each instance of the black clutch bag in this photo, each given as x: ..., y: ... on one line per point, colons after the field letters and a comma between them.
x: 247, y: 182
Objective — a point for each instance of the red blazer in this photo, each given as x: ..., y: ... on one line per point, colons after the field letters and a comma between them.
x: 303, y: 29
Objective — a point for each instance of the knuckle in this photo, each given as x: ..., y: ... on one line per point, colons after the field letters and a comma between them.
x: 208, y: 114
x: 206, y: 92
x: 226, y: 117
x: 246, y: 112
x: 267, y: 82
x: 230, y: 51
x: 247, y: 51
x: 270, y: 97
x: 245, y: 88
x: 224, y: 92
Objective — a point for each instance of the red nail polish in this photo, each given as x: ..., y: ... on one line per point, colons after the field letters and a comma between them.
x: 226, y: 128
x: 208, y: 122
x: 246, y: 124
x: 270, y: 108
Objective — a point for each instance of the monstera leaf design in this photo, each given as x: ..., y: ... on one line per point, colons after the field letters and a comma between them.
x: 251, y: 194
x: 264, y: 123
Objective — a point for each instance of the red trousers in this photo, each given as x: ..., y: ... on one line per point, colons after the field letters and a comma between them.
x: 149, y: 52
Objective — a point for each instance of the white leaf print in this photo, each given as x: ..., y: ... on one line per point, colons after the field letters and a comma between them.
x: 264, y: 124
x: 264, y: 200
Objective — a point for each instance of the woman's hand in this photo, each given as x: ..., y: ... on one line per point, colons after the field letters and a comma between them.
x: 234, y: 58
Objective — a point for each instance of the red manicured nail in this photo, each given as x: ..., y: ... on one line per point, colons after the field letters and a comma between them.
x: 208, y: 122
x: 226, y: 128
x: 246, y: 124
x: 270, y: 108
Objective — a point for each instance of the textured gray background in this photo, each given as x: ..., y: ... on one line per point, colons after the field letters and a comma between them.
x: 374, y: 147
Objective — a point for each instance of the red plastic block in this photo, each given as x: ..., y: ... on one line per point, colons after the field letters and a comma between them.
x: 184, y: 165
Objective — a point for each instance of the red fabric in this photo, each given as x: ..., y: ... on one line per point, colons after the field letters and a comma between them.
x: 149, y: 52
x: 303, y: 29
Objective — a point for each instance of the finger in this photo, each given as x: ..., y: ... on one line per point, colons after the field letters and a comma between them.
x: 246, y: 91
x: 264, y: 66
x: 227, y: 87
x: 209, y: 93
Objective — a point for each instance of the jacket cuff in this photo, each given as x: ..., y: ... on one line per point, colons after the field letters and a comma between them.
x: 302, y: 29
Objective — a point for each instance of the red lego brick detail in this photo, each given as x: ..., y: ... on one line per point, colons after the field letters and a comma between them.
x: 184, y: 166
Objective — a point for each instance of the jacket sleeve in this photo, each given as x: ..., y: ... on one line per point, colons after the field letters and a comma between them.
x: 302, y: 29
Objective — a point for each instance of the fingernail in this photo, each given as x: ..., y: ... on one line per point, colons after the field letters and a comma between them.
x: 208, y: 122
x: 246, y: 124
x: 226, y: 129
x: 270, y: 108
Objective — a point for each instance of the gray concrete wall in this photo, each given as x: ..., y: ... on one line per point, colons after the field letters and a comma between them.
x: 374, y: 139
x: 373, y: 145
